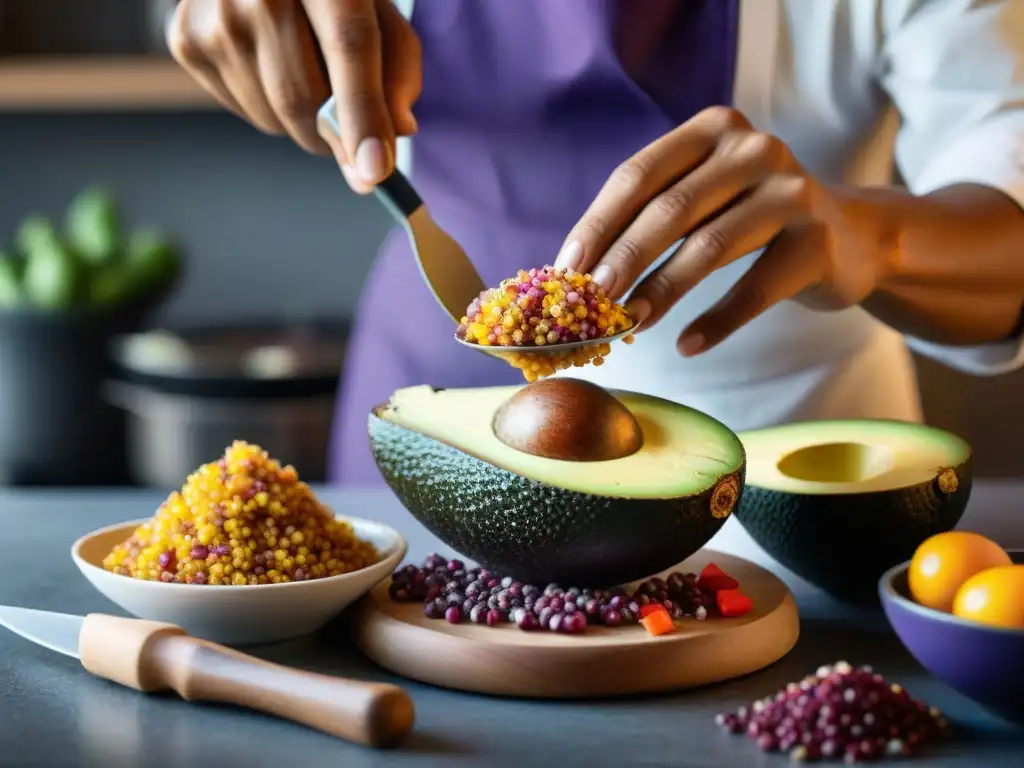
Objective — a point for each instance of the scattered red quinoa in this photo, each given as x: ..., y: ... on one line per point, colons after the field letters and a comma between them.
x: 449, y: 590
x: 839, y: 713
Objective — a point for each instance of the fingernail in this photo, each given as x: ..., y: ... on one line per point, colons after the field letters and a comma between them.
x: 371, y: 160
x: 604, y: 277
x: 691, y: 344
x: 638, y: 309
x: 353, y: 180
x: 569, y: 256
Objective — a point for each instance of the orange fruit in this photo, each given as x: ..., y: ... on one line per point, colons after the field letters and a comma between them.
x: 945, y: 561
x: 994, y: 597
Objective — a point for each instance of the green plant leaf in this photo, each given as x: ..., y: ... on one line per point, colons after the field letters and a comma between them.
x: 110, y: 286
x: 10, y: 281
x: 93, y: 226
x: 51, y: 275
x: 153, y: 260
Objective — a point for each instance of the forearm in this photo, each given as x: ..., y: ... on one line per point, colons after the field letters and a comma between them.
x: 951, y: 263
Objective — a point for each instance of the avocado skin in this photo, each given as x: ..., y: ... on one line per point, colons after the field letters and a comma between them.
x: 844, y: 543
x: 532, y: 531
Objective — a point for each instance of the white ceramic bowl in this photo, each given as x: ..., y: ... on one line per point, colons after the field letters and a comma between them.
x: 239, y: 615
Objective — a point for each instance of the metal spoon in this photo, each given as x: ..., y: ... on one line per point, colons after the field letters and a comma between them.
x: 444, y: 265
x: 446, y: 269
x: 498, y: 351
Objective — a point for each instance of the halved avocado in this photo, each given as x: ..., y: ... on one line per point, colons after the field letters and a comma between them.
x: 840, y: 502
x: 540, y: 519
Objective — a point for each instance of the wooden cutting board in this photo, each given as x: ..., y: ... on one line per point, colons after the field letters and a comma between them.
x: 507, y: 661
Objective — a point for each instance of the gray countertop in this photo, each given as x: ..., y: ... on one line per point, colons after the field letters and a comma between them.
x: 54, y: 714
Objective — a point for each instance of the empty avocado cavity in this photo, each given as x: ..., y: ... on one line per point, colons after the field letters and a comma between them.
x: 837, y: 462
x: 849, y: 457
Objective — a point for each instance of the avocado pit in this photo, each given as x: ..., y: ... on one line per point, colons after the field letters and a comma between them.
x: 569, y: 420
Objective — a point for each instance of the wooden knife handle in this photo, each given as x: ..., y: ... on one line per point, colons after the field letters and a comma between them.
x: 152, y: 656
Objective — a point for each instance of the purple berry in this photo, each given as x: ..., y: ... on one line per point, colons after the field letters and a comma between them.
x: 612, y: 618
x: 575, y: 623
x: 527, y: 621
x: 434, y: 609
x: 478, y: 614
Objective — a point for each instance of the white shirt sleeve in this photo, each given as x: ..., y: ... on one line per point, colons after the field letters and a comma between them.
x: 955, y: 71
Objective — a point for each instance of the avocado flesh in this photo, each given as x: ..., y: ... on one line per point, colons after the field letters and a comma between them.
x: 430, y: 447
x: 844, y: 457
x: 840, y: 502
x: 684, y: 452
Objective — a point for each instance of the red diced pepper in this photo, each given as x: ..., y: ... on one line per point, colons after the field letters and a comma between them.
x: 732, y: 603
x: 658, y: 622
x: 714, y: 579
x: 647, y: 610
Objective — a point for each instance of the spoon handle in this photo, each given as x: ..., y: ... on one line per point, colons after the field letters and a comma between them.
x: 399, y: 196
x: 152, y: 656
x: 446, y: 269
x: 396, y: 191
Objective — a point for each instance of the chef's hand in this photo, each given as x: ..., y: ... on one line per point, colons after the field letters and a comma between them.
x: 729, y: 191
x: 275, y: 62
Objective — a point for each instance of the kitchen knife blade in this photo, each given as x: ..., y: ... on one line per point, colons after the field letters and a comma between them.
x: 151, y: 656
x: 56, y: 631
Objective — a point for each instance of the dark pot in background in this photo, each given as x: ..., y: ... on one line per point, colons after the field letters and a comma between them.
x: 55, y: 426
x: 190, y: 392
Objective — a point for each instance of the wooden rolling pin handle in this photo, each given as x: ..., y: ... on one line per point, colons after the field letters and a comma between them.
x: 151, y: 656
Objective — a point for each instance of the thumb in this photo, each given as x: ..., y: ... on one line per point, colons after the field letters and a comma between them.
x: 337, y: 148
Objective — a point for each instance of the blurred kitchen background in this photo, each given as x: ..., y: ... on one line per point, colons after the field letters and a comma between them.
x: 273, y: 248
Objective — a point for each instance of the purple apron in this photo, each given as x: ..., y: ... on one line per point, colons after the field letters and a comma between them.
x: 527, y: 107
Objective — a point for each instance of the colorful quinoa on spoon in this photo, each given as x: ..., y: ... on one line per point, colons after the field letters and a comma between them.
x: 545, y: 308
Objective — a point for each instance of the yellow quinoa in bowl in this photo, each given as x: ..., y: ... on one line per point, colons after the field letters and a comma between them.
x: 241, y: 520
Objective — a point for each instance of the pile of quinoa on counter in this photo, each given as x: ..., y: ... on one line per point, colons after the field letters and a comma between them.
x: 545, y: 307
x: 840, y: 712
x: 241, y: 520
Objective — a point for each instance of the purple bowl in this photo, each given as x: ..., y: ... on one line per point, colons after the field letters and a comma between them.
x: 985, y: 664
